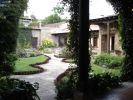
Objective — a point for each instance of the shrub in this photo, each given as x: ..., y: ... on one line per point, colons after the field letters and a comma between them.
x: 7, y: 66
x: 101, y: 83
x: 32, y: 54
x: 14, y: 89
x: 65, y: 53
x: 27, y: 53
x: 107, y: 60
x: 64, y: 90
x: 66, y: 85
x: 98, y: 84
x: 47, y: 43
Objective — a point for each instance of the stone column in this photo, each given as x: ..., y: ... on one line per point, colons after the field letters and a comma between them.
x: 40, y: 38
x: 59, y: 41
x: 108, y: 37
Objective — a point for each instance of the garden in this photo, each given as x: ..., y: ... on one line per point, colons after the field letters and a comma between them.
x: 29, y: 65
x: 105, y: 74
x: 10, y: 88
x: 92, y: 78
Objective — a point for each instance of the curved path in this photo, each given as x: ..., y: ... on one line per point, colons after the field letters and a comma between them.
x: 46, y: 79
x: 54, y: 68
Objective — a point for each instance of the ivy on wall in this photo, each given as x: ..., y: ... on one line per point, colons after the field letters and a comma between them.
x: 125, y: 10
x: 24, y: 39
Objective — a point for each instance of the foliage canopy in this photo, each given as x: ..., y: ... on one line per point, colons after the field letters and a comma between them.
x: 10, y: 12
x: 54, y: 18
x: 125, y: 10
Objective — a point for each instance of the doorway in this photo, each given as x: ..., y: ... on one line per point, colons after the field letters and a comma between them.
x: 34, y: 42
x: 104, y: 43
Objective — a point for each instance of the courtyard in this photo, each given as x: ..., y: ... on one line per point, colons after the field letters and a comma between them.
x: 96, y: 64
x: 54, y: 67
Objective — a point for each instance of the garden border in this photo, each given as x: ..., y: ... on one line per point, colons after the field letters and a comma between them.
x: 58, y: 79
x: 64, y: 60
x: 36, y: 65
x: 57, y: 56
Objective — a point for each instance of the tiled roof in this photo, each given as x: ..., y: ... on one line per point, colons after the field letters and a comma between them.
x: 104, y: 19
x: 62, y: 27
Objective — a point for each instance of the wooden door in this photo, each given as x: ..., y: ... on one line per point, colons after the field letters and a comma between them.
x: 104, y: 43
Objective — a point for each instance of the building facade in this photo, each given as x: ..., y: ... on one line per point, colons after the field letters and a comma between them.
x: 107, y: 40
x: 104, y: 35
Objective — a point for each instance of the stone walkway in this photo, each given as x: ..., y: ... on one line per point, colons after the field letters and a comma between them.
x: 46, y: 79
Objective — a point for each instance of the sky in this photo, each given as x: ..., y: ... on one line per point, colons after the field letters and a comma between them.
x: 43, y: 8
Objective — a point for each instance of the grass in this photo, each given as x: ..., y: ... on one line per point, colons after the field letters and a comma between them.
x: 23, y: 64
x: 98, y: 69
x: 69, y: 60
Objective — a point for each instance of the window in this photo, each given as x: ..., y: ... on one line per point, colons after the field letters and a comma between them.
x: 95, y: 38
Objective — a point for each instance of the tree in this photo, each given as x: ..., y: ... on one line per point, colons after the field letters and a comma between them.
x: 34, y: 23
x: 10, y: 13
x: 125, y: 10
x: 59, y: 9
x: 54, y: 18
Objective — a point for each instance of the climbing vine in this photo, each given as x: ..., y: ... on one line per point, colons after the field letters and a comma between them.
x: 73, y: 42
x: 10, y: 12
x: 125, y: 10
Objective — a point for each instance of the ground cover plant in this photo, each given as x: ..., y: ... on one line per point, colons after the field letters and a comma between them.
x: 23, y: 64
x: 100, y: 70
x: 108, y: 60
x: 100, y: 83
x: 97, y: 69
x: 29, y: 52
x: 65, y: 53
x: 14, y: 89
x: 102, y: 79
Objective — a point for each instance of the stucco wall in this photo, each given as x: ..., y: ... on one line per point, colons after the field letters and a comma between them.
x: 26, y: 36
x: 46, y: 33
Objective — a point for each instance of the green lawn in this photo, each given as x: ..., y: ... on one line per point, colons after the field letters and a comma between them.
x: 22, y: 64
x: 98, y: 69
